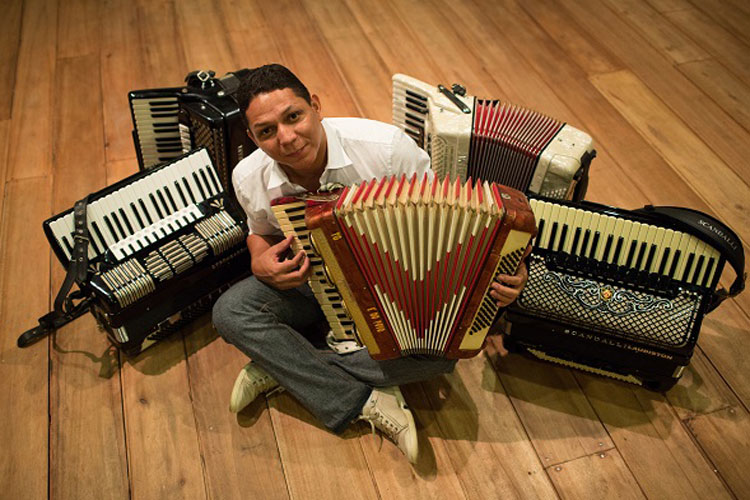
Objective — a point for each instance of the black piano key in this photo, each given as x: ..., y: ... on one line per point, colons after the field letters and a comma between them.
x: 163, y: 200
x: 214, y: 180
x: 108, y: 225
x: 145, y: 211
x: 179, y: 191
x: 709, y: 270
x: 576, y: 237
x: 418, y: 120
x: 99, y: 234
x: 673, y: 267
x: 206, y: 183
x: 552, y: 234
x: 607, y: 248
x: 563, y: 238
x: 67, y: 245
x: 170, y: 198
x: 155, y: 205
x: 641, y: 255
x: 688, y: 267
x: 664, y: 259
x: 189, y: 191
x: 118, y: 225
x: 650, y: 258
x: 137, y: 215
x: 594, y: 245
x: 618, y: 249
x: 539, y: 233
x: 585, y: 243
x: 698, y: 268
x: 631, y: 254
x: 98, y: 248
x: 125, y: 220
x: 198, y: 183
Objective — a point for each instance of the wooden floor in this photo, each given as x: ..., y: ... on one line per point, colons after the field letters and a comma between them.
x: 662, y: 85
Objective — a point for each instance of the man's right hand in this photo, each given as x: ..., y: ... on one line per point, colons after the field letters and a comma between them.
x: 273, y: 269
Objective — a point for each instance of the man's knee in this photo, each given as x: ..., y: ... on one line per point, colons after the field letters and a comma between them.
x: 233, y: 309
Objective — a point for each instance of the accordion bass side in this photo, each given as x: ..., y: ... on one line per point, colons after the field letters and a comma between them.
x: 405, y: 266
x: 621, y: 293
x: 488, y: 139
x: 170, y: 122
x: 162, y: 245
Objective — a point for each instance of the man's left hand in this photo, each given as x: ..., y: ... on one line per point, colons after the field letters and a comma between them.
x: 507, y: 288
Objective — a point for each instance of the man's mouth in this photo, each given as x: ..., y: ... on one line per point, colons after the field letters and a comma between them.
x: 298, y: 153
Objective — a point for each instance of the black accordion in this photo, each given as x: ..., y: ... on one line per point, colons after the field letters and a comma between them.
x: 495, y: 141
x: 170, y: 122
x: 621, y: 293
x: 162, y: 245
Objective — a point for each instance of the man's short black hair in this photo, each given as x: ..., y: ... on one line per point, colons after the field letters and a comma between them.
x: 268, y: 78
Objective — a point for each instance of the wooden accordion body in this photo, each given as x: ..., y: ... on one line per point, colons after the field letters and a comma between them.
x: 406, y: 265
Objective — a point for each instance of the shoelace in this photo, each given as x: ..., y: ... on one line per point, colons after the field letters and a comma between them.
x: 390, y: 428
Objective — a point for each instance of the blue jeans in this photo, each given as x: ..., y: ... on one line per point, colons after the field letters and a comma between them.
x: 277, y: 330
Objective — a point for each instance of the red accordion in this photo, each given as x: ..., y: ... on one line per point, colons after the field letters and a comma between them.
x: 405, y: 265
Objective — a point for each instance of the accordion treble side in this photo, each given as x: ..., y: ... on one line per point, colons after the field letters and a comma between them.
x: 406, y: 265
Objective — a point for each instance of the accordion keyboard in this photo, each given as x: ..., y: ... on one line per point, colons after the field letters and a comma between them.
x: 161, y: 138
x: 145, y: 211
x: 624, y: 244
x: 291, y: 218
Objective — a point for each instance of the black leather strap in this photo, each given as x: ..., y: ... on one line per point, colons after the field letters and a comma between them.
x: 717, y: 235
x: 65, y: 308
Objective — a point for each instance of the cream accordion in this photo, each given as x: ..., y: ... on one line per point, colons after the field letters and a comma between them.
x: 621, y: 293
x: 467, y: 137
x: 405, y: 265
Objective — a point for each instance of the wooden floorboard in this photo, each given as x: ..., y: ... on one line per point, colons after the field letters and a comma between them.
x: 663, y: 87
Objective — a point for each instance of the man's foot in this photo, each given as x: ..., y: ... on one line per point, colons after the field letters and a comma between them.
x: 251, y: 382
x: 386, y: 409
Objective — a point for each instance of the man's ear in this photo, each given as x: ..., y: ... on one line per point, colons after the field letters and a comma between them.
x: 315, y: 103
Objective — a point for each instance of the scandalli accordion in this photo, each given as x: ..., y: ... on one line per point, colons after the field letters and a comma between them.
x: 170, y: 122
x: 467, y: 137
x: 161, y: 245
x: 621, y: 293
x: 404, y: 266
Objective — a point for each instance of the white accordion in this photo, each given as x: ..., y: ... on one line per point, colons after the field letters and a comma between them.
x: 467, y: 137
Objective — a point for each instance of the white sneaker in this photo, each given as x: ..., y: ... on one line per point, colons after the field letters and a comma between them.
x: 386, y: 409
x: 251, y: 382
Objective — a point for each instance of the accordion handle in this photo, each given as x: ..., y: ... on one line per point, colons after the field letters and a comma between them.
x: 718, y: 235
x: 65, y: 310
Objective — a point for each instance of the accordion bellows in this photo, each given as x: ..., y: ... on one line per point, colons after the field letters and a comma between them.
x: 413, y: 259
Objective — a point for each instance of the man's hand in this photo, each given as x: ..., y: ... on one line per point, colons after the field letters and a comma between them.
x: 271, y: 268
x: 507, y: 288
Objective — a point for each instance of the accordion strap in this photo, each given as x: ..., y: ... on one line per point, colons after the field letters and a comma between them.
x: 65, y: 310
x: 715, y: 233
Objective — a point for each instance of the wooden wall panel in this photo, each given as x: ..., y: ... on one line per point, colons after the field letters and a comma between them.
x: 10, y: 41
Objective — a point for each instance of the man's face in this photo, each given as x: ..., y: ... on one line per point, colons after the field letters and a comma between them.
x: 288, y: 129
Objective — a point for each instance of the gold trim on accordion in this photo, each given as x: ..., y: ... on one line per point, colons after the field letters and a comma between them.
x: 405, y: 265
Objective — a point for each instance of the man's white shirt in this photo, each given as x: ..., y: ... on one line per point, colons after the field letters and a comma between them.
x: 358, y: 150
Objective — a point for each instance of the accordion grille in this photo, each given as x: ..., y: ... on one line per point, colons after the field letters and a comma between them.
x: 616, y: 310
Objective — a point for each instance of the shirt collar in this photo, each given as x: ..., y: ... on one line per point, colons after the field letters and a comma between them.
x: 337, y: 158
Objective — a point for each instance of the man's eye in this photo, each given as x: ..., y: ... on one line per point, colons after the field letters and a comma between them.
x: 293, y: 116
x: 264, y: 132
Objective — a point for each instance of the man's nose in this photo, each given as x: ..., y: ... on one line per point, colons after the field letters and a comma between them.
x: 286, y: 134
